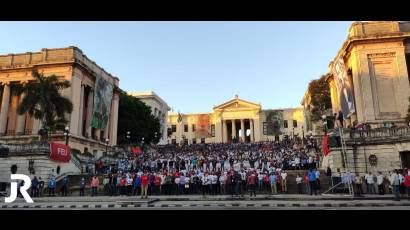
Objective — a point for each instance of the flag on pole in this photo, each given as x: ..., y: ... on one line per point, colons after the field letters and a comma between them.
x: 179, y: 117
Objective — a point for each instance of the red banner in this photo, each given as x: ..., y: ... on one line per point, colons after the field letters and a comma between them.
x: 60, y: 152
x: 136, y: 150
x: 325, y: 144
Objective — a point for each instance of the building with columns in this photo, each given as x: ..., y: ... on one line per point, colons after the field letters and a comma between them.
x: 69, y: 64
x: 159, y: 108
x: 369, y: 76
x: 236, y: 120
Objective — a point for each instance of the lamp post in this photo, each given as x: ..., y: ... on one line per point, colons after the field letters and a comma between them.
x: 128, y: 136
x: 324, y: 123
x: 66, y: 134
x: 107, y: 141
x: 155, y: 135
x: 303, y: 135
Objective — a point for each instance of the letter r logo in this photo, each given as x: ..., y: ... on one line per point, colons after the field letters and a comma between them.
x: 23, y: 189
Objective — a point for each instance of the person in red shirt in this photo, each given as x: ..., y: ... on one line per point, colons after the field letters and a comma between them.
x: 157, y: 183
x: 251, y: 184
x: 407, y: 184
x: 266, y: 182
x: 144, y: 185
x: 123, y: 181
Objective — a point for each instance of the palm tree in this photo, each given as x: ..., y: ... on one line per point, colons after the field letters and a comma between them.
x: 43, y: 101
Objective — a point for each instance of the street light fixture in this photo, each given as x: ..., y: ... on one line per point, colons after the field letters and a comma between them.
x: 324, y: 123
x: 67, y: 134
x: 107, y: 141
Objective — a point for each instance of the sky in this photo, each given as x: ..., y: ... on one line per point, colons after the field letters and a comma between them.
x: 195, y: 66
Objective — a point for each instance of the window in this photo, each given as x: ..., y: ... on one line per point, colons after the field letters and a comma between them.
x: 174, y: 141
x: 213, y: 130
x: 265, y: 128
x: 285, y: 124
x: 185, y: 128
x: 173, y: 128
x: 295, y: 123
x: 193, y: 128
x: 202, y: 140
x: 193, y: 140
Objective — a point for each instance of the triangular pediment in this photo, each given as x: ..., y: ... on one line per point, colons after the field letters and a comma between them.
x: 237, y: 103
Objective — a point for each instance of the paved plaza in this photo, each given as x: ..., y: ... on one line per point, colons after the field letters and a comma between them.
x: 212, y: 202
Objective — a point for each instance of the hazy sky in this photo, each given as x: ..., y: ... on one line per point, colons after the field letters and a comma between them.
x: 194, y: 66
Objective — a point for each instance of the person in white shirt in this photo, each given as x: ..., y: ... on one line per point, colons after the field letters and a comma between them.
x: 214, y: 182
x: 395, y: 182
x: 299, y: 183
x: 370, y: 183
x: 260, y: 181
x: 222, y: 182
x: 284, y: 175
x: 380, y: 185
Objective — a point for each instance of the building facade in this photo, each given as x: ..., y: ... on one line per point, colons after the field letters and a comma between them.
x: 91, y: 88
x: 159, y: 108
x: 236, y: 120
x: 369, y: 83
x: 369, y: 78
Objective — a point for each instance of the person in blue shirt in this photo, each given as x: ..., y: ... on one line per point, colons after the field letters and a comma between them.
x: 312, y: 181
x: 272, y: 180
x: 137, y: 185
x: 52, y: 186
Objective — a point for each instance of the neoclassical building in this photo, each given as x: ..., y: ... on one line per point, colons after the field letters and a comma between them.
x: 235, y: 120
x: 369, y: 76
x: 93, y: 92
x: 159, y: 108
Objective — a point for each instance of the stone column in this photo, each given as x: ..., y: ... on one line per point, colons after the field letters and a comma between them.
x: 243, y: 130
x: 233, y: 129
x: 21, y: 118
x: 75, y: 99
x: 36, y: 126
x: 251, y: 129
x: 89, y: 112
x: 114, y: 123
x: 81, y: 113
x: 4, y: 109
x: 224, y: 132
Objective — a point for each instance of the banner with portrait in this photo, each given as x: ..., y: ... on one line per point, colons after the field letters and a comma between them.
x: 274, y: 121
x: 202, y: 126
x: 102, y: 103
x: 344, y: 88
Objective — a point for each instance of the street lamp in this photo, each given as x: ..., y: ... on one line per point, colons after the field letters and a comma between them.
x: 66, y: 134
x: 156, y: 135
x: 324, y: 123
x: 107, y: 141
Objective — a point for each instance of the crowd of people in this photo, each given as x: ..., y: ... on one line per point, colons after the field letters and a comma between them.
x: 220, y: 169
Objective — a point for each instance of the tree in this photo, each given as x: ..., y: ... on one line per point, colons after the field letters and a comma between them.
x: 42, y: 100
x: 136, y: 117
x: 320, y: 98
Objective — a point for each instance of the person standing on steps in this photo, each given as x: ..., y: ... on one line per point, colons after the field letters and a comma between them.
x: 299, y: 184
x: 144, y: 185
x: 252, y: 184
x: 284, y: 176
x: 82, y: 186
x: 312, y: 182
x: 95, y: 182
x: 272, y: 181
x: 51, y: 186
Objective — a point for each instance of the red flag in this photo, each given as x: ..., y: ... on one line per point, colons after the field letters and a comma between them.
x: 325, y: 144
x: 136, y: 150
x: 60, y: 152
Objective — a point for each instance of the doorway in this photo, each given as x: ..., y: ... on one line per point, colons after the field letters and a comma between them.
x: 405, y: 159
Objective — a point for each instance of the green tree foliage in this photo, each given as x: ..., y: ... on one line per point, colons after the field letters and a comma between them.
x: 44, y: 101
x: 320, y: 98
x: 136, y: 117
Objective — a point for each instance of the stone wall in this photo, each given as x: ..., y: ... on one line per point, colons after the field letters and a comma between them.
x: 386, y: 151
